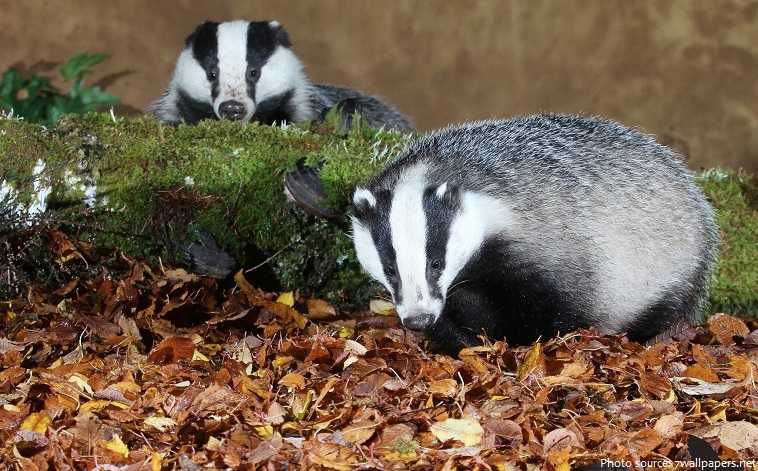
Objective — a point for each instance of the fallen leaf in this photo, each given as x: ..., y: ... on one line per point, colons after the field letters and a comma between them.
x: 319, y: 309
x: 739, y: 435
x: 171, y: 350
x: 288, y: 299
x: 117, y: 446
x: 467, y: 431
x: 382, y: 307
x: 701, y: 372
x: 670, y: 426
x: 160, y: 423
x: 725, y: 327
x: 531, y: 362
x: 559, y: 439
x: 36, y: 422
x: 700, y: 387
x: 359, y: 432
x: 655, y: 384
x: 293, y: 380
x: 444, y: 387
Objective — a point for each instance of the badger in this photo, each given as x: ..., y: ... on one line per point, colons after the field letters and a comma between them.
x: 534, y: 226
x: 246, y: 71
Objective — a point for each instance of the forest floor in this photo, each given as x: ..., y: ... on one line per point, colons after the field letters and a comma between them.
x: 147, y: 367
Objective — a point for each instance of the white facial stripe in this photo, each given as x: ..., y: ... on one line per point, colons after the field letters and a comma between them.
x: 362, y: 195
x: 232, y: 64
x: 408, y: 228
x: 478, y: 218
x: 189, y: 76
x: 282, y: 72
x: 368, y: 256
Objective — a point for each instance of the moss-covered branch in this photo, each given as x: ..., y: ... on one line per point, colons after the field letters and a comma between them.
x: 148, y: 188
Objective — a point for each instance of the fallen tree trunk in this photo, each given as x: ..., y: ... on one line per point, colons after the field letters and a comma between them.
x: 154, y: 191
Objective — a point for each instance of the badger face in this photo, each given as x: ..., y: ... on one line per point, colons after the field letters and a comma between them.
x: 416, y: 240
x: 234, y: 69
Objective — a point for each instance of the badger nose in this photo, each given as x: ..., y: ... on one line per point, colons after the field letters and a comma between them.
x: 232, y: 110
x: 418, y: 321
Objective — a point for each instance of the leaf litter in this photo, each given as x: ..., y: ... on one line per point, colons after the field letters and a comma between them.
x: 148, y: 368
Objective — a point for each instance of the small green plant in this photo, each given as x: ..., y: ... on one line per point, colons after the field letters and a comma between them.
x: 36, y: 99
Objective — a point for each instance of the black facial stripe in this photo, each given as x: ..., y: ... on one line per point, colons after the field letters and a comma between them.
x: 192, y: 110
x: 439, y: 212
x: 205, y: 51
x: 377, y: 219
x: 262, y: 40
x: 275, y: 109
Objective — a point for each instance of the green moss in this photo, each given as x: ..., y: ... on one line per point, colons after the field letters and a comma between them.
x: 147, y: 204
x: 158, y: 184
x: 735, y: 196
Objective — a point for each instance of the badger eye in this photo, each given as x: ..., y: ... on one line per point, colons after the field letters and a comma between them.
x: 253, y: 73
x: 213, y: 73
x: 390, y: 271
x: 436, y: 264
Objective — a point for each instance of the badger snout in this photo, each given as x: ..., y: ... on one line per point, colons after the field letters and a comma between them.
x: 232, y: 110
x: 421, y: 321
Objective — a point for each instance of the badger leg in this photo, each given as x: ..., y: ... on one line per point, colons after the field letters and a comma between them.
x: 447, y: 337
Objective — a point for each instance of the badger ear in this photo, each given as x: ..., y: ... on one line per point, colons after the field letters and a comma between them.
x: 282, y: 36
x: 364, y: 201
x: 204, y: 26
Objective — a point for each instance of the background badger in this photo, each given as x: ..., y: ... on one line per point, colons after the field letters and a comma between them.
x: 535, y: 225
x: 244, y: 71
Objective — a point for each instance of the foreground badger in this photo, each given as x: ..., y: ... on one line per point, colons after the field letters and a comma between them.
x: 246, y: 71
x: 534, y: 226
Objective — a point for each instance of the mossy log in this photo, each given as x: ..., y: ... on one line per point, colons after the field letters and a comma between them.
x: 151, y: 189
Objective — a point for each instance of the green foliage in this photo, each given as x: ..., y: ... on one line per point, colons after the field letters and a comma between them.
x: 37, y: 100
x: 735, y: 196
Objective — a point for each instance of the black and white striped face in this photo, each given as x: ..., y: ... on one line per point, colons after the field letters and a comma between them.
x: 234, y: 69
x: 415, y: 240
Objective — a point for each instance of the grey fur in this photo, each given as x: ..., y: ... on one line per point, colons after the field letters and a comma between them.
x: 613, y: 218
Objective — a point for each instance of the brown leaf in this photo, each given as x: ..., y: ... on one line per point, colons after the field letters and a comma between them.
x: 319, y: 309
x: 644, y: 441
x: 559, y: 439
x: 443, y: 387
x: 655, y: 384
x: 725, y: 327
x: 702, y: 372
x: 670, y: 426
x: 740, y: 367
x: 359, y: 432
x: 293, y: 380
x: 171, y: 350
x: 531, y: 362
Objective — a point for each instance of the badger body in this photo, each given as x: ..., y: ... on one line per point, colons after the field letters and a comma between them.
x: 247, y: 71
x: 535, y: 226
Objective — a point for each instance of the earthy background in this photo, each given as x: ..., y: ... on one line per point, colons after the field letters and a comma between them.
x: 684, y: 70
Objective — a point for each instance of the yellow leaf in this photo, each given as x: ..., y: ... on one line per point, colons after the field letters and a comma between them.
x: 214, y: 444
x: 155, y: 462
x: 719, y: 416
x: 100, y: 404
x: 280, y: 361
x: 530, y: 362
x: 346, y: 332
x: 288, y: 299
x: 117, y: 446
x: 197, y: 356
x: 467, y: 430
x: 264, y: 431
x: 160, y: 423
x: 36, y: 422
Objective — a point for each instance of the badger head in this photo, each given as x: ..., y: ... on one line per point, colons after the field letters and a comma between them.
x: 233, y: 70
x: 417, y: 238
